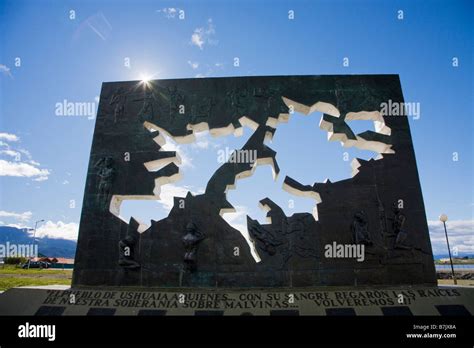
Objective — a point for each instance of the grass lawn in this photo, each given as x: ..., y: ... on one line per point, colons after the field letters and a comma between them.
x: 469, y: 282
x: 11, y: 282
x: 12, y: 276
x: 11, y: 269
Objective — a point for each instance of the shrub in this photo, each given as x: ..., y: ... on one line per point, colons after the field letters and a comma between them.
x: 14, y: 260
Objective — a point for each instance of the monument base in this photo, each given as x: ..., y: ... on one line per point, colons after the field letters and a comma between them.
x: 443, y: 300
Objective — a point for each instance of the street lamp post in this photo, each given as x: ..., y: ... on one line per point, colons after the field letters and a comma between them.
x: 34, y: 237
x: 443, y: 218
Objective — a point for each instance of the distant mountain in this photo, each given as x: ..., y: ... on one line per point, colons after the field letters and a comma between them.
x: 50, y: 247
x: 446, y: 256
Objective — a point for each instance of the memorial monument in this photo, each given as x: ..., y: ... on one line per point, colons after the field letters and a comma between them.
x: 381, y: 207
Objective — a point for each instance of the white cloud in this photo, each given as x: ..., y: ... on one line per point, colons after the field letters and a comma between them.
x: 460, y: 234
x: 17, y: 154
x: 58, y: 229
x: 197, y: 39
x: 21, y: 169
x: 202, y: 141
x: 239, y: 217
x: 210, y: 69
x: 98, y: 23
x: 11, y: 153
x: 49, y: 229
x: 26, y: 216
x: 170, y: 12
x: 201, y: 144
x: 171, y: 145
x: 5, y: 70
x: 19, y: 226
x: 65, y: 182
x: 169, y: 191
x: 8, y: 137
x: 193, y: 65
x: 202, y: 36
x: 25, y: 152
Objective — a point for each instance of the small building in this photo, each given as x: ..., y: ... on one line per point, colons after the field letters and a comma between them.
x: 57, y: 262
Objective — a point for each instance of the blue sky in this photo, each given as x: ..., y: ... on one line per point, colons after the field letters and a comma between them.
x: 65, y: 58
